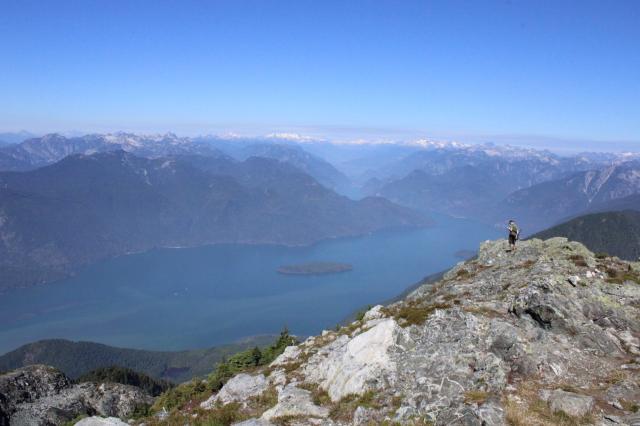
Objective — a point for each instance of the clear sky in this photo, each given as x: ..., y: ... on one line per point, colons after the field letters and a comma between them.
x: 452, y: 69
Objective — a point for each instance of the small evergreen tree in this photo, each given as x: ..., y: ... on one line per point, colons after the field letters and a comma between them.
x: 256, y: 355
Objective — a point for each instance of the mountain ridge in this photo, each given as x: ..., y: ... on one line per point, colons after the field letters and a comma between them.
x: 107, y: 204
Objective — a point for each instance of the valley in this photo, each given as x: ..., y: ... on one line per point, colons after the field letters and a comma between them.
x: 174, y: 299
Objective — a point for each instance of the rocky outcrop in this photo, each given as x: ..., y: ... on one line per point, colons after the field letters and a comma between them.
x: 239, y: 389
x: 40, y: 395
x: 544, y: 335
x: 26, y: 385
x: 294, y: 402
x: 349, y: 366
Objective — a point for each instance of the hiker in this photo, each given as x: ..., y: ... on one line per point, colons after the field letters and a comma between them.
x: 514, y: 234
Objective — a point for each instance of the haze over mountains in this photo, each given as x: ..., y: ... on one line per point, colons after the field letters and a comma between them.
x: 69, y: 201
x: 88, y: 207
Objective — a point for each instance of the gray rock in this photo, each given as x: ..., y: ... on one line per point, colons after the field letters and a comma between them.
x: 374, y: 313
x: 293, y: 401
x: 240, y: 388
x: 39, y: 395
x: 254, y: 422
x: 571, y: 403
x: 633, y: 420
x: 26, y: 385
x: 573, y: 280
x: 101, y: 421
x: 290, y: 354
x: 353, y: 366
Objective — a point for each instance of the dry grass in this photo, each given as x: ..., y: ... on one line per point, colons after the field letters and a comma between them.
x: 538, y: 413
x: 483, y: 310
x: 533, y: 411
x: 630, y: 405
x: 266, y: 400
x: 343, y: 410
x: 476, y: 397
x: 413, y: 313
x: 286, y: 420
x: 463, y: 273
x: 319, y: 395
x: 528, y: 263
x: 616, y: 376
x: 578, y: 260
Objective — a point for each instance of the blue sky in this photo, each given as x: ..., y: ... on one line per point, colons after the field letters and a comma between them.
x: 475, y: 70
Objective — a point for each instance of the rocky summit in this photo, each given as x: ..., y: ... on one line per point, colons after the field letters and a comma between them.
x: 545, y: 335
x: 40, y: 395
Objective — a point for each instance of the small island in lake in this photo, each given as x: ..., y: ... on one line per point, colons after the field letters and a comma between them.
x: 315, y: 268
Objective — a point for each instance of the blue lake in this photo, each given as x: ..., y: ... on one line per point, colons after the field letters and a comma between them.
x: 170, y: 299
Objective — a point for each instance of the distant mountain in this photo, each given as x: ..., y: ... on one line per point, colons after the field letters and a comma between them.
x: 616, y: 233
x: 319, y: 169
x: 76, y: 359
x: 458, y: 191
x: 517, y: 167
x: 544, y: 204
x: 631, y: 202
x: 469, y: 180
x: 48, y: 149
x: 15, y: 137
x: 90, y: 207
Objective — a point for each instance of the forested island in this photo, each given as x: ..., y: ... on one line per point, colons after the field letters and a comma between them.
x: 315, y: 268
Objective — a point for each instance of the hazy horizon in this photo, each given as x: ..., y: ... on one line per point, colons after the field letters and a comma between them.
x: 558, y: 75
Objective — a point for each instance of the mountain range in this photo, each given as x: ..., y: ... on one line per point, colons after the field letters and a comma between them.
x: 89, y: 207
x: 601, y: 189
x: 492, y: 184
x: 66, y: 208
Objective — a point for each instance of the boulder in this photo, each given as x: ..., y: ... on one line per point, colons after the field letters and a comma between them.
x: 41, y: 395
x: 101, y: 421
x: 571, y: 403
x: 238, y: 389
x: 290, y: 354
x: 293, y: 401
x: 374, y: 313
x: 26, y: 385
x: 353, y: 366
x: 254, y: 422
x: 109, y: 399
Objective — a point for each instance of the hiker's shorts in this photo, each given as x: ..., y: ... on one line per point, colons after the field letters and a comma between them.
x: 512, y: 239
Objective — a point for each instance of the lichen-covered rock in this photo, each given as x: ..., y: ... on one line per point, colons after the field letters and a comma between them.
x: 290, y: 353
x: 101, y: 421
x: 570, y: 403
x: 377, y: 312
x: 254, y: 422
x: 26, y: 385
x: 238, y: 389
x: 39, y: 395
x: 292, y: 402
x: 109, y: 399
x: 352, y: 366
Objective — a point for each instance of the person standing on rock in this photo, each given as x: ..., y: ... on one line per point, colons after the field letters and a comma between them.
x: 514, y: 234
